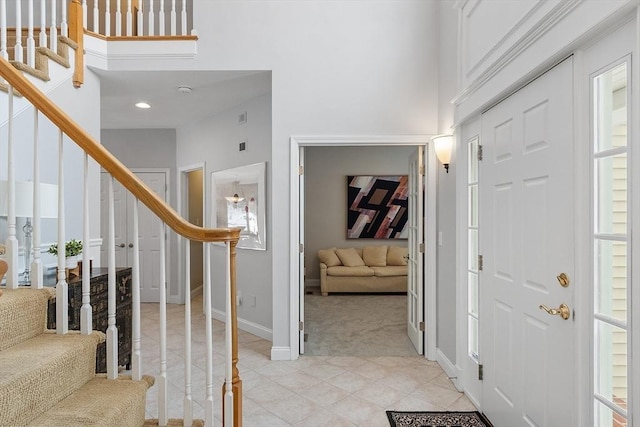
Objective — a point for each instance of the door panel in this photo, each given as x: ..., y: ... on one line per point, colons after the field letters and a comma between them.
x: 148, y: 228
x: 415, y: 283
x: 526, y: 239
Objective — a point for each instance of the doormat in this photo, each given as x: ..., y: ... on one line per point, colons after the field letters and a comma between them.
x: 437, y: 419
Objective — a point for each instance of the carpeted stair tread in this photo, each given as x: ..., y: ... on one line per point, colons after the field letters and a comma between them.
x: 100, y: 402
x: 23, y: 313
x: 173, y: 422
x: 37, y: 373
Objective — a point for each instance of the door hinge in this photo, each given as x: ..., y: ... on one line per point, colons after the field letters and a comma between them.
x: 480, y: 262
x: 480, y: 372
x: 300, y: 170
x: 421, y: 170
x: 301, y: 326
x: 301, y: 247
x: 422, y: 326
x: 480, y: 152
x: 421, y: 248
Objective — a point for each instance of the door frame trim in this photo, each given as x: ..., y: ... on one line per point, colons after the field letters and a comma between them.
x: 429, y: 302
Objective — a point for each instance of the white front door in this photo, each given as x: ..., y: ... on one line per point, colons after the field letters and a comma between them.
x: 526, y: 239
x: 148, y: 227
x: 415, y: 283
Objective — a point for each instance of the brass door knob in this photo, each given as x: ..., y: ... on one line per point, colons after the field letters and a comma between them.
x: 562, y: 311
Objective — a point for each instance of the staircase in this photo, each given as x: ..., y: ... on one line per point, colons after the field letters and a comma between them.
x: 49, y: 380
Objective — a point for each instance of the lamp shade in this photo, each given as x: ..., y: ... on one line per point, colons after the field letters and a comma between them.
x: 442, y: 144
x: 24, y: 199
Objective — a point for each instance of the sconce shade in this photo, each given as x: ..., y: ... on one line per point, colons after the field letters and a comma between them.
x: 24, y: 199
x: 442, y: 145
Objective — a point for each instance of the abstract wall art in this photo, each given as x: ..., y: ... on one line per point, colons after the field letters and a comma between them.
x: 377, y: 207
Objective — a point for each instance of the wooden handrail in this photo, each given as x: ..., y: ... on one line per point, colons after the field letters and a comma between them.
x: 111, y: 164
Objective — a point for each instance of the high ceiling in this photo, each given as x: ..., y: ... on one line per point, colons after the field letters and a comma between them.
x: 211, y: 92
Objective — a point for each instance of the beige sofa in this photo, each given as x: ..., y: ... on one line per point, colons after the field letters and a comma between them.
x: 370, y: 269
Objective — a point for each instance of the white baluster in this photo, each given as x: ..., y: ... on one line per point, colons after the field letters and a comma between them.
x: 173, y: 17
x: 161, y: 18
x: 43, y: 23
x: 17, y: 53
x: 31, y: 42
x: 136, y: 355
x: 62, y: 289
x: 152, y: 19
x: 3, y: 29
x: 228, y: 395
x: 12, y: 241
x: 188, y: 399
x: 112, y: 330
x: 140, y: 20
x: 96, y: 17
x: 85, y: 14
x: 163, y: 396
x: 107, y: 19
x: 36, y: 270
x: 53, y: 31
x: 64, y: 25
x: 86, y: 312
x: 129, y: 19
x: 208, y: 409
x: 184, y: 18
x: 118, y: 18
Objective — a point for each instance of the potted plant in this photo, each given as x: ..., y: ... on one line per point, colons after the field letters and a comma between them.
x: 72, y: 249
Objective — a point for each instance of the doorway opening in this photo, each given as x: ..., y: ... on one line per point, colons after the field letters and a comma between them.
x: 306, y: 270
x: 192, y: 209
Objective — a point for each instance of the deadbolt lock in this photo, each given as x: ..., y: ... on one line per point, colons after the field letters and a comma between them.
x: 563, y: 279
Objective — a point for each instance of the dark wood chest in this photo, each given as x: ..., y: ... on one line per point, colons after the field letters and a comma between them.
x: 99, y: 302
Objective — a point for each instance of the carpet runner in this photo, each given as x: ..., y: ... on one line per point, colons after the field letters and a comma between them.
x: 437, y: 419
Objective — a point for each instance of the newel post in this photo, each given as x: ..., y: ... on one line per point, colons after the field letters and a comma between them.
x: 235, y: 381
x: 76, y: 33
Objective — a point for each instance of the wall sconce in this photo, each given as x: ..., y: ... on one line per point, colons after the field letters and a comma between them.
x: 442, y: 145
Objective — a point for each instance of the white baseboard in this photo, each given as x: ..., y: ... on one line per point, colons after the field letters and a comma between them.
x: 448, y: 367
x: 280, y: 353
x: 246, y: 325
x: 196, y: 292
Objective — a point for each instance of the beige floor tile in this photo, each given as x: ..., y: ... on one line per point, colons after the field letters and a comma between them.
x: 355, y: 409
x: 324, y: 418
x: 293, y: 409
x: 323, y: 393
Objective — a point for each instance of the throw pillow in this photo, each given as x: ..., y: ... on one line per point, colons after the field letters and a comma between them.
x: 397, y: 255
x: 329, y: 257
x: 349, y: 257
x: 375, y: 256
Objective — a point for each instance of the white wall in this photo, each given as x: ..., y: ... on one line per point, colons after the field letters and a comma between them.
x: 326, y: 169
x: 73, y: 102
x: 215, y: 141
x: 356, y: 67
x: 446, y: 252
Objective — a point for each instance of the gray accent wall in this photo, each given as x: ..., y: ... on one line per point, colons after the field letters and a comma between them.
x: 325, y: 172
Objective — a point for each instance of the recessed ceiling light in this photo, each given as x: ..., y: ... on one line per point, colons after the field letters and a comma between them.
x: 184, y: 89
x: 143, y: 105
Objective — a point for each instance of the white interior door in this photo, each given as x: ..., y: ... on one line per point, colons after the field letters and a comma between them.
x: 301, y: 256
x: 526, y: 239
x: 415, y: 283
x: 149, y: 231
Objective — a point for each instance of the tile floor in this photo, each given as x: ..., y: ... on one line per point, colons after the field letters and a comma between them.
x: 311, y: 391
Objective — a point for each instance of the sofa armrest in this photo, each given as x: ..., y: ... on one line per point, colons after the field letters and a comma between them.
x: 323, y: 279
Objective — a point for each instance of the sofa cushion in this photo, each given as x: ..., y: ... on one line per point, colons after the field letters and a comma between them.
x: 349, y: 257
x: 390, y: 271
x: 396, y: 255
x: 375, y: 256
x: 329, y: 257
x: 361, y: 271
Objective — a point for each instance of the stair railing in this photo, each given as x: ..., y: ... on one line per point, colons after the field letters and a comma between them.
x: 69, y: 130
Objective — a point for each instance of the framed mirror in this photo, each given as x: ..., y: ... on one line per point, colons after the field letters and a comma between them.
x: 238, y: 200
